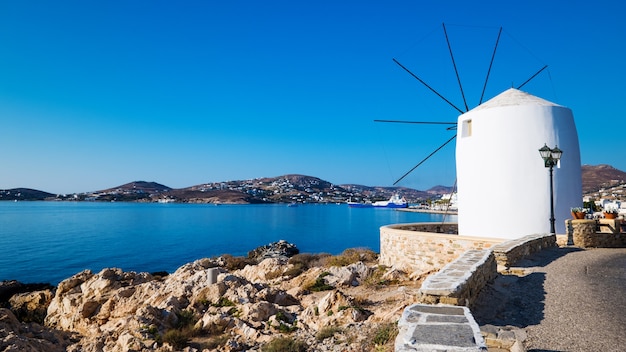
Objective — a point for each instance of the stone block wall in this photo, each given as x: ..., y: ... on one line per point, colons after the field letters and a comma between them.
x: 509, y: 252
x: 602, y: 233
x: 460, y: 281
x: 420, y: 248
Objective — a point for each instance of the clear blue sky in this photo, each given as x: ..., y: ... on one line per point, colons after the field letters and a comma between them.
x: 94, y: 94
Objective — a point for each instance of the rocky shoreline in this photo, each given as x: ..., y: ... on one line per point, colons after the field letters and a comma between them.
x: 275, y: 299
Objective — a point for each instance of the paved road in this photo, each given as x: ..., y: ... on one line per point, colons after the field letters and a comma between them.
x: 569, y: 300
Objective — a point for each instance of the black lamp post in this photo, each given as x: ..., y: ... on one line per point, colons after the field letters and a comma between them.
x: 551, y: 158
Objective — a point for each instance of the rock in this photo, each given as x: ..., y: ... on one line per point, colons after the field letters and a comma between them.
x: 350, y: 275
x: 31, y: 306
x: 9, y: 288
x: 280, y: 249
x: 267, y: 269
x: 17, y: 337
x: 237, y: 310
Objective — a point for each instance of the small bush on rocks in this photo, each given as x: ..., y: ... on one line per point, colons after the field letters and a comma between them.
x: 223, y: 302
x: 304, y: 261
x: 285, y: 344
x: 320, y: 284
x: 385, y: 333
x: 176, y: 338
x: 236, y: 263
x: 326, y: 332
x: 351, y: 256
x: 185, y: 318
x: 376, y: 277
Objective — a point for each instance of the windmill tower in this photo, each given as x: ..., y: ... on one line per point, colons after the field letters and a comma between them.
x: 503, y: 185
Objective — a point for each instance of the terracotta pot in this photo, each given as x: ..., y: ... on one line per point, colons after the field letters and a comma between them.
x: 610, y: 216
x: 578, y: 216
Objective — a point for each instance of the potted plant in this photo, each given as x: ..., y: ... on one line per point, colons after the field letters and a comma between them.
x: 610, y: 213
x: 579, y: 213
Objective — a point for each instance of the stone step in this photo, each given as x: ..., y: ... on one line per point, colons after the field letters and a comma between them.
x: 424, y: 327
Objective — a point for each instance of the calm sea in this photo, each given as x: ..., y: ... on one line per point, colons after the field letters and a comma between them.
x: 51, y: 241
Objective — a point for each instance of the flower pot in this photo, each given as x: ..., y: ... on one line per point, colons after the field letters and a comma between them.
x: 578, y: 215
x: 610, y: 215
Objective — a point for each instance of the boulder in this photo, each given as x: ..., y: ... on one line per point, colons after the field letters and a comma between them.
x: 280, y: 249
x: 267, y: 269
x: 351, y: 275
x: 16, y: 336
x: 31, y: 306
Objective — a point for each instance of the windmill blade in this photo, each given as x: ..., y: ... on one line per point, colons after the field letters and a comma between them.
x: 418, y: 122
x: 454, y: 64
x: 533, y: 76
x: 427, y: 86
x: 490, y: 65
x: 423, y: 160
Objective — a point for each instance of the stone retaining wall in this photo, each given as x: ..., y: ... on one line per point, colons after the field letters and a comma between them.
x: 509, y: 252
x: 460, y: 281
x: 601, y: 233
x: 420, y: 248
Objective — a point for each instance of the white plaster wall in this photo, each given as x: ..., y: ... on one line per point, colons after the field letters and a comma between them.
x: 503, y: 186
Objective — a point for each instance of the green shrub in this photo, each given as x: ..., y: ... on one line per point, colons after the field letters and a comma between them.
x: 185, y: 318
x: 236, y: 263
x: 223, y: 302
x: 294, y: 271
x: 351, y: 256
x: 385, y: 333
x: 285, y: 324
x: 376, y: 277
x: 216, y: 342
x: 285, y: 344
x: 286, y: 328
x: 302, y: 262
x: 320, y: 284
x: 176, y: 338
x: 326, y: 332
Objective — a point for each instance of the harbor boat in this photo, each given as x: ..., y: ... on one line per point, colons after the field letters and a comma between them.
x: 360, y: 205
x: 394, y: 202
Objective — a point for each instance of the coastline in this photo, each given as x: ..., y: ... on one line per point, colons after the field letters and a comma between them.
x: 428, y: 211
x: 272, y: 297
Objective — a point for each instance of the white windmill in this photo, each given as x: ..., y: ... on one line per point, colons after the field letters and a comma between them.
x: 504, y: 189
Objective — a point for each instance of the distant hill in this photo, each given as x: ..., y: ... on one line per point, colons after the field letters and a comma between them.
x: 383, y: 193
x: 281, y: 189
x: 137, y: 191
x: 596, y: 177
x: 216, y: 196
x: 140, y: 186
x: 24, y: 194
x: 440, y: 190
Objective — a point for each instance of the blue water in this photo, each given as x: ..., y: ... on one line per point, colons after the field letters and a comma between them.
x: 51, y: 241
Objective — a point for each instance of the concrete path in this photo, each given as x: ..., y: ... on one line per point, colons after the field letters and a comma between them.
x: 566, y: 299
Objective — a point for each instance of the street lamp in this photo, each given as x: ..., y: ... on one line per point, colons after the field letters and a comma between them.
x: 551, y: 158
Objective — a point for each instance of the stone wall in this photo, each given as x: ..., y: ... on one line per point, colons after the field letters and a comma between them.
x: 421, y: 248
x: 464, y: 264
x: 509, y: 252
x: 460, y: 281
x: 601, y: 233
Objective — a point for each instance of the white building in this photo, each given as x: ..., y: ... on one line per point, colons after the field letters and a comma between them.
x: 503, y: 185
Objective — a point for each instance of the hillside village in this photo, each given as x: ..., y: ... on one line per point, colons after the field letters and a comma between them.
x: 601, y: 183
x: 282, y: 189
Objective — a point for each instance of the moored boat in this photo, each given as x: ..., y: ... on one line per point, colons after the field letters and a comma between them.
x: 359, y: 205
x: 394, y: 202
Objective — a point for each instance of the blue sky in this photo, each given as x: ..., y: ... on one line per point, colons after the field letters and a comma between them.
x: 94, y: 94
